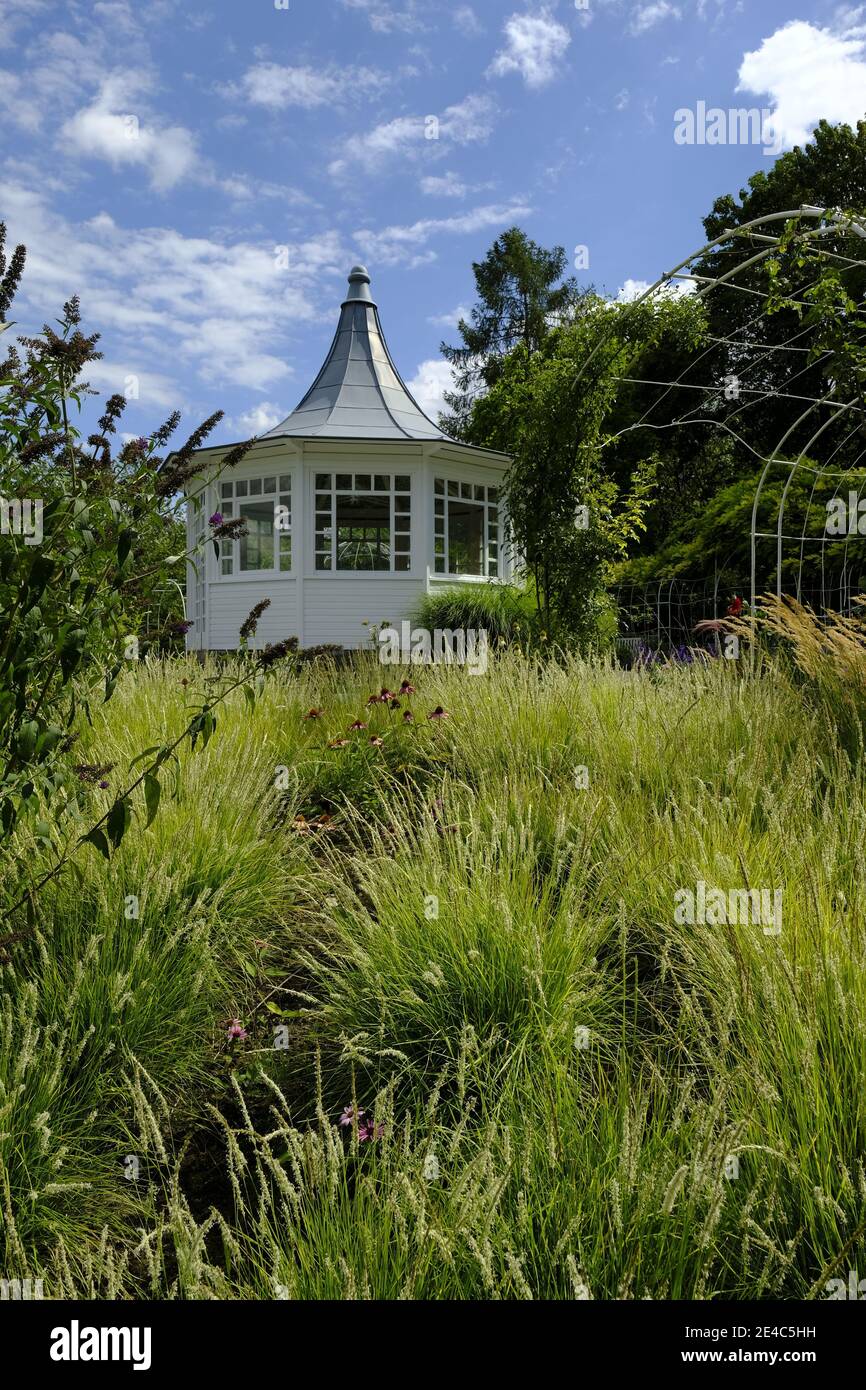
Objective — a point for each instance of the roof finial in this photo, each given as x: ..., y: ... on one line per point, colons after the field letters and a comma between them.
x: 359, y: 286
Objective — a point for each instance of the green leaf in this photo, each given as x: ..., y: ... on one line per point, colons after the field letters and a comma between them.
x: 152, y: 792
x: 118, y: 820
x: 96, y: 837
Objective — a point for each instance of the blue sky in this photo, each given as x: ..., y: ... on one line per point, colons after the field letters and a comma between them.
x: 205, y: 175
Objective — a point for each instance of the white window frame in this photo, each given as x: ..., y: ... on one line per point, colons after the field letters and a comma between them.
x: 392, y: 493
x: 440, y: 531
x: 284, y: 494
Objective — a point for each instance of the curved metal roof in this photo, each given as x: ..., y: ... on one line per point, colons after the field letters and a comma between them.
x: 358, y: 394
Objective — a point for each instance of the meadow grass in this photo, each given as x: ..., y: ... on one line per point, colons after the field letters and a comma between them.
x: 467, y: 932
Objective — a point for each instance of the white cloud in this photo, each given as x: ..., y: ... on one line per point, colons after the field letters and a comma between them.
x: 259, y: 419
x: 447, y: 185
x: 429, y: 384
x: 407, y: 244
x: 16, y: 12
x: 452, y: 319
x: 633, y: 289
x: 222, y: 312
x: 646, y: 17
x: 155, y: 389
x: 113, y: 130
x: 385, y: 18
x: 16, y: 103
x: 467, y: 122
x: 277, y: 87
x: 466, y: 20
x: 534, y: 47
x: 808, y: 73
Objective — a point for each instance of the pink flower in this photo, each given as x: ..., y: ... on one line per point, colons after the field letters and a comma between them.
x: 236, y: 1030
x: 350, y: 1114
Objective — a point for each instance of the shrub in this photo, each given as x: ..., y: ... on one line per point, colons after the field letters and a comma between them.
x: 504, y: 611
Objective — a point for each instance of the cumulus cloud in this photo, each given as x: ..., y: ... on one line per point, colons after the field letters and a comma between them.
x: 808, y: 73
x: 259, y: 419
x: 112, y: 129
x: 223, y: 312
x: 429, y: 384
x: 467, y: 122
x: 408, y: 245
x: 385, y: 18
x: 17, y: 104
x: 277, y: 86
x: 646, y: 17
x: 451, y: 319
x: 633, y: 289
x: 466, y: 20
x: 535, y: 44
x: 446, y: 185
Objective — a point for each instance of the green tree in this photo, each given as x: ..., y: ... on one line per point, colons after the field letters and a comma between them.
x: 521, y: 297
x: 571, y: 522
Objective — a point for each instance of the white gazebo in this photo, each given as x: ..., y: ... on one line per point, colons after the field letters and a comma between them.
x: 355, y: 506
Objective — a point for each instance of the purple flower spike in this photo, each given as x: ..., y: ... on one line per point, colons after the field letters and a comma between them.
x: 216, y: 519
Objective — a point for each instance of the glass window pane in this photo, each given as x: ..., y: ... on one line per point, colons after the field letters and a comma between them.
x: 465, y: 538
x: 401, y: 562
x: 479, y: 493
x: 402, y: 484
x: 453, y: 490
x: 402, y: 504
x: 466, y: 490
x: 439, y: 485
x: 286, y: 482
x: 363, y: 526
x: 226, y: 489
x: 439, y: 506
x: 323, y: 481
x: 362, y: 482
x: 382, y: 482
x: 285, y: 552
x: 240, y: 489
x: 323, y: 561
x: 270, y: 485
x: 255, y: 487
x: 440, y: 564
x: 493, y: 569
x: 344, y: 481
x: 493, y: 494
x: 257, y: 546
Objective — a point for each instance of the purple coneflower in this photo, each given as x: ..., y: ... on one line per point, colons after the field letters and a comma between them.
x: 439, y: 713
x: 376, y: 741
x: 338, y: 743
x: 358, y: 724
x: 408, y: 716
x: 349, y: 1115
x: 314, y: 714
x: 236, y: 1030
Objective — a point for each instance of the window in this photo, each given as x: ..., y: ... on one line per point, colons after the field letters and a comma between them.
x: 465, y: 529
x: 362, y: 521
x: 265, y: 504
